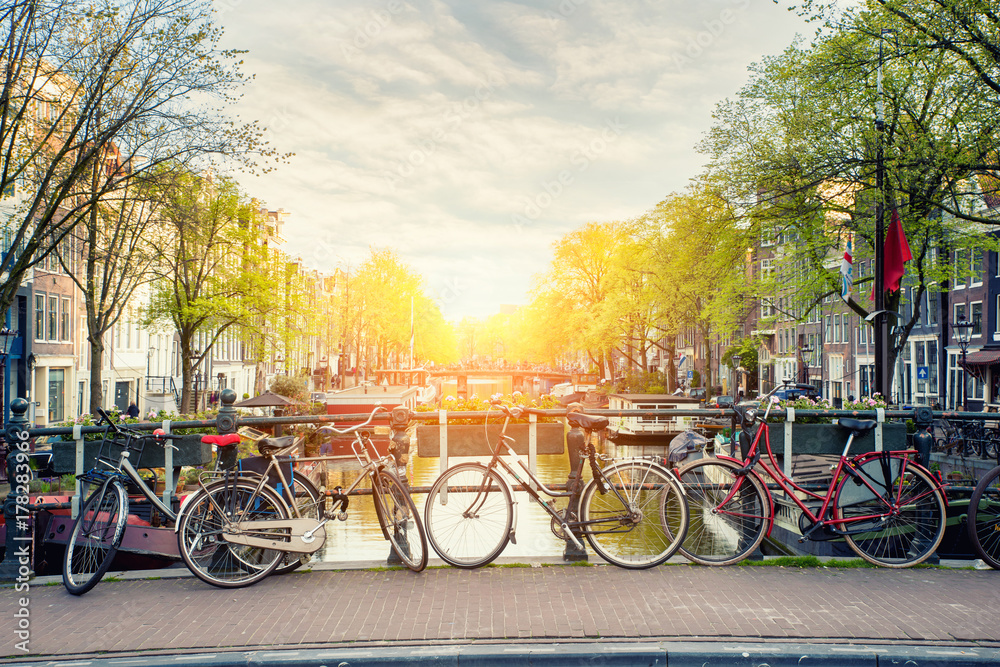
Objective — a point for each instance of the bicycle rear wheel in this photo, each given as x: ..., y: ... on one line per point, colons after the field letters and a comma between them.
x: 898, y: 524
x: 310, y: 506
x: 729, y: 512
x: 468, y: 515
x: 95, y: 538
x: 638, y: 519
x: 206, y: 517
x: 400, y: 520
x: 984, y: 518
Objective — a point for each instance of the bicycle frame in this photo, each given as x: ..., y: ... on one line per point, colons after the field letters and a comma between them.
x: 568, y: 527
x: 844, y: 466
x: 124, y: 466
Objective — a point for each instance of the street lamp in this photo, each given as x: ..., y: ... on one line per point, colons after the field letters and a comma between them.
x: 963, y: 334
x: 806, y: 352
x: 6, y: 342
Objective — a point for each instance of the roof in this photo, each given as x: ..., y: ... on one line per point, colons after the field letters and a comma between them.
x: 983, y: 357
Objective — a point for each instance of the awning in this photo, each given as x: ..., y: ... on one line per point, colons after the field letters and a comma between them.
x: 983, y: 358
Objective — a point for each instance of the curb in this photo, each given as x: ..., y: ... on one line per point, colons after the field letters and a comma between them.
x: 647, y: 654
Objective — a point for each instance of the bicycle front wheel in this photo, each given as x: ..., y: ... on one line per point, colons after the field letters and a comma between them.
x: 214, y: 510
x: 468, y: 515
x: 897, y: 518
x: 636, y: 516
x: 984, y: 518
x: 729, y: 512
x: 400, y: 520
x: 310, y: 506
x: 95, y: 538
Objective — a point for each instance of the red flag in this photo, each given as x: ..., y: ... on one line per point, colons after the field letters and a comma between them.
x: 897, y: 252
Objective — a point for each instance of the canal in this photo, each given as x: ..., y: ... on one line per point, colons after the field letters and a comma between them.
x: 360, y: 538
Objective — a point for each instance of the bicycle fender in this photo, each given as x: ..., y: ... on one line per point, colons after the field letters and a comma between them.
x: 767, y: 490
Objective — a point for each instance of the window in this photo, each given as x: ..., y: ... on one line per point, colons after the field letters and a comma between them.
x: 766, y: 267
x: 863, y: 333
x: 977, y: 318
x: 64, y: 315
x: 976, y: 276
x: 766, y: 308
x: 53, y: 317
x: 961, y: 262
x: 836, y: 329
x: 826, y: 330
x: 39, y: 317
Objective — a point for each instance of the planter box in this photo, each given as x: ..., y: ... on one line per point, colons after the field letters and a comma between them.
x: 470, y: 439
x: 191, y: 451
x: 830, y: 439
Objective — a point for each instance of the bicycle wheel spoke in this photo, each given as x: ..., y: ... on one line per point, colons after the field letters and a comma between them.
x: 641, y: 521
x: 984, y: 518
x: 213, y: 512
x: 899, y: 526
x: 468, y: 516
x: 95, y: 537
x: 729, y: 513
x: 400, y: 521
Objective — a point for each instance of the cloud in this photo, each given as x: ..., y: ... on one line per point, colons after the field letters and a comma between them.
x: 469, y: 136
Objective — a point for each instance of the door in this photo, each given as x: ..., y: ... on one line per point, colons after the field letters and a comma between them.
x: 122, y: 393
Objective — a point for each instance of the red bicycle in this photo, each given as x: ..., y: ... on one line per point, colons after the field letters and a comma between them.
x: 888, y: 508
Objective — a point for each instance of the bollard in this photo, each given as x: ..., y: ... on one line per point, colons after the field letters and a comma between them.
x: 576, y: 445
x: 225, y: 422
x: 16, y: 564
x: 923, y: 441
x: 399, y: 446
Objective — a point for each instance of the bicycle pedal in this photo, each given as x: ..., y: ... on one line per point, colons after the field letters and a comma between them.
x: 342, y: 516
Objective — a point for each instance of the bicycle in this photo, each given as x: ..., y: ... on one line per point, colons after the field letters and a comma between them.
x: 984, y: 517
x: 99, y: 528
x: 632, y: 512
x: 235, y: 530
x: 889, y: 509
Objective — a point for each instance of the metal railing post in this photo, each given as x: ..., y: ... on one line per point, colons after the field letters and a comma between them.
x: 399, y: 446
x: 16, y: 564
x: 575, y: 443
x: 225, y: 422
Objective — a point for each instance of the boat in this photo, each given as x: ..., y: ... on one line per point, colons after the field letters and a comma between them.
x: 648, y: 434
x: 362, y: 400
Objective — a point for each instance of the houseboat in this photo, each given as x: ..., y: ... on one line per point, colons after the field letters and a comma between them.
x: 362, y: 400
x: 639, y: 435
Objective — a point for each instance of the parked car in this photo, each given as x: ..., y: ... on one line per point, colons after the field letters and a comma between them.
x: 722, y: 401
x: 697, y: 392
x: 792, y: 393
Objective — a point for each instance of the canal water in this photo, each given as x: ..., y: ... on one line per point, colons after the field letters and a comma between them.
x: 360, y: 538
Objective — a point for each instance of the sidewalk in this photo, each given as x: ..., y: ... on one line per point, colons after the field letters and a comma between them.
x: 449, y: 612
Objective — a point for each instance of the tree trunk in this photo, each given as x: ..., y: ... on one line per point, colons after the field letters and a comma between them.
x: 96, y: 362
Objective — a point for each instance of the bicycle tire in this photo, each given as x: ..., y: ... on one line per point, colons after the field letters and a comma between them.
x: 307, y: 499
x: 984, y: 518
x: 648, y: 528
x: 399, y: 519
x: 916, y: 525
x: 201, y: 524
x: 724, y: 527
x: 96, y: 535
x: 462, y: 539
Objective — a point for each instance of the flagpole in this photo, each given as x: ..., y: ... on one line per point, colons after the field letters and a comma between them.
x: 880, y: 332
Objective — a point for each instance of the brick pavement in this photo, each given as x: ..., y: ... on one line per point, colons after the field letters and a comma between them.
x: 443, y: 605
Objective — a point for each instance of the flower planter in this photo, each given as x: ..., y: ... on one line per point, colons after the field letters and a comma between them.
x: 191, y: 451
x: 470, y: 439
x: 830, y: 439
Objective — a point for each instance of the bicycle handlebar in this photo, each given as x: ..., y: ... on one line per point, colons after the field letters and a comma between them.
x: 351, y: 429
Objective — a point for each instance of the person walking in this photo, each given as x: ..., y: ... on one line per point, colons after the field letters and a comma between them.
x: 133, y: 410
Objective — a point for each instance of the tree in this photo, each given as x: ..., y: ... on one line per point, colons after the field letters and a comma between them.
x: 695, y: 252
x: 576, y: 287
x: 797, y: 152
x: 117, y: 257
x: 95, y: 95
x: 216, y: 270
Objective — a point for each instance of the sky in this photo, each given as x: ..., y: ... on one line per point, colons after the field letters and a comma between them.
x: 469, y: 136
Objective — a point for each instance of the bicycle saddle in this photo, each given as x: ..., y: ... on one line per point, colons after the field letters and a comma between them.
x: 221, y: 440
x: 587, y: 422
x: 271, y: 445
x: 857, y: 426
